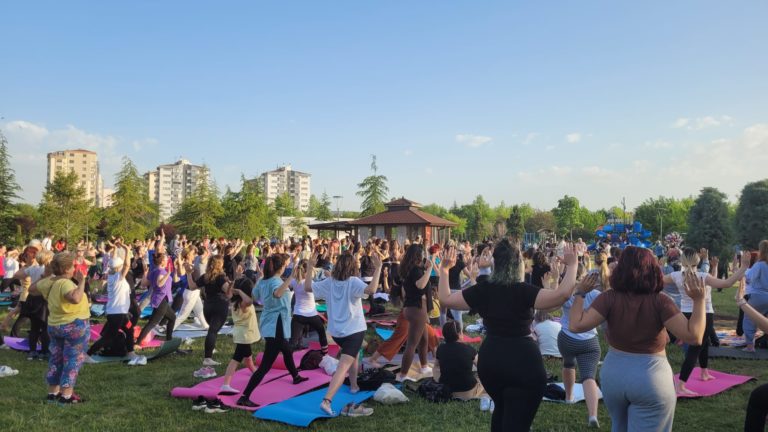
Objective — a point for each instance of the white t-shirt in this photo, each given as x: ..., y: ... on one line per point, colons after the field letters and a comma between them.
x: 686, y: 303
x: 305, y: 301
x: 118, y: 294
x: 47, y: 243
x: 345, y: 307
x: 11, y: 266
x: 546, y: 333
x: 35, y: 272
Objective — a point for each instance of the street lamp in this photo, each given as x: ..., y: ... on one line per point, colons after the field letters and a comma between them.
x: 338, y: 199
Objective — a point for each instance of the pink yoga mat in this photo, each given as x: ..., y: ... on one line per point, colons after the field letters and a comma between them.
x: 277, y: 386
x: 149, y: 341
x: 465, y: 339
x: 279, y: 363
x: 721, y: 383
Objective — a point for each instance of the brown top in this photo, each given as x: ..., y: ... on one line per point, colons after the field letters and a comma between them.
x: 636, y: 321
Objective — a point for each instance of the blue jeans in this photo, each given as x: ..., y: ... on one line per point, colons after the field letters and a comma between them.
x: 759, y: 301
x: 456, y: 315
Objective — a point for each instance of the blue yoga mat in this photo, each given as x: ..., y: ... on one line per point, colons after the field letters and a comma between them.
x: 147, y: 312
x: 303, y: 410
x: 385, y: 334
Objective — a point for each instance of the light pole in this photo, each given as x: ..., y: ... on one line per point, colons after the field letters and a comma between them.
x: 338, y: 199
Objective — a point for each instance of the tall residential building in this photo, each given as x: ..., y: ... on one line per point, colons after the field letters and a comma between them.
x: 284, y: 179
x: 169, y: 185
x: 85, y: 164
x: 106, y: 198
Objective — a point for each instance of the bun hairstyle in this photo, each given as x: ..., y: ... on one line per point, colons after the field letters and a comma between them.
x: 451, y: 331
x: 273, y: 264
x: 690, y: 259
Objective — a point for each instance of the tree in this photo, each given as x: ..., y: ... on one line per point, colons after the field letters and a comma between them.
x: 567, y: 215
x: 373, y: 190
x: 25, y: 222
x: 65, y: 210
x: 751, y: 218
x: 708, y: 225
x: 284, y: 205
x: 314, y: 206
x: 515, y: 224
x: 541, y: 220
x: 199, y: 213
x: 664, y: 215
x: 324, y: 210
x: 246, y: 214
x: 9, y: 190
x: 435, y: 210
x: 480, y: 219
x: 298, y: 226
x: 460, y: 229
x: 132, y: 215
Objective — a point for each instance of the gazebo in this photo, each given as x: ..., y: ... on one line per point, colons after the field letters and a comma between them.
x: 403, y: 220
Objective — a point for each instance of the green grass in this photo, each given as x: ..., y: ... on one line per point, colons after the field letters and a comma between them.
x: 137, y: 399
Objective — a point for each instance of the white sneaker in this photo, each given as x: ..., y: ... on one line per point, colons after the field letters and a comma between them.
x: 426, y: 371
x: 210, y: 362
x: 188, y: 341
x: 485, y: 403
x: 492, y: 407
x: 227, y: 390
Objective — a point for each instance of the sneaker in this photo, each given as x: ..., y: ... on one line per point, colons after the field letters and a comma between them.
x: 355, y: 410
x: 210, y: 362
x: 210, y: 373
x: 73, y: 399
x: 243, y: 402
x: 204, y: 372
x: 199, y: 403
x: 32, y: 355
x: 52, y: 397
x: 215, y: 406
x: 593, y: 423
x: 485, y: 403
x: 228, y: 390
x: 426, y: 371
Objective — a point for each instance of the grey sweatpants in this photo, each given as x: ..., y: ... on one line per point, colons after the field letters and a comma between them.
x: 638, y: 391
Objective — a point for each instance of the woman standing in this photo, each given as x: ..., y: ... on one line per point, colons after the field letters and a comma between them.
x: 216, y: 306
x: 415, y: 271
x: 160, y: 298
x: 275, y: 324
x: 757, y: 281
x: 509, y: 364
x: 191, y: 295
x: 343, y: 293
x: 68, y: 327
x: 636, y: 377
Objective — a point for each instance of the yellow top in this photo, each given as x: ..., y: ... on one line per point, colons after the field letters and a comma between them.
x: 60, y: 310
x: 246, y: 329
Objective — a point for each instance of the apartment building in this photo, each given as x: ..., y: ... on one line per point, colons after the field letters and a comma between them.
x: 285, y: 179
x: 169, y: 185
x: 85, y: 164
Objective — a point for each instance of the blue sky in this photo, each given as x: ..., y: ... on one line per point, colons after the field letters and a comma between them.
x: 517, y: 101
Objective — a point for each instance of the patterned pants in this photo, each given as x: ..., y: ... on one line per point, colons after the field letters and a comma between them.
x: 69, y: 342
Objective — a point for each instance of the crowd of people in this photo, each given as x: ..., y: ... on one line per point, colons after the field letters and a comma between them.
x: 641, y: 300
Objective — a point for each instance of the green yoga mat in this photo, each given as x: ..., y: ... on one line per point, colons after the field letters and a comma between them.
x: 166, y: 348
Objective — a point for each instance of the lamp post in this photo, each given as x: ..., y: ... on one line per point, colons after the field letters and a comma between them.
x: 338, y: 199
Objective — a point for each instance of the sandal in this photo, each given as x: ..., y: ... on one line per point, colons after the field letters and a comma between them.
x: 355, y: 410
x: 327, y: 409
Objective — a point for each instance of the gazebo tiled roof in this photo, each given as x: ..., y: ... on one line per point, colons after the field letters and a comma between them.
x: 403, y: 212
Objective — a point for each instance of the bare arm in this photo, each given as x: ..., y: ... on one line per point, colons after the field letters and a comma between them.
x: 373, y: 285
x: 735, y: 277
x: 246, y: 299
x: 282, y: 288
x: 691, y: 330
x: 424, y: 280
x: 76, y: 295
x: 548, y: 299
x: 447, y: 298
x: 126, y: 266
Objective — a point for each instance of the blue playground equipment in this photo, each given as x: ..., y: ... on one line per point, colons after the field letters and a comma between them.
x: 623, y: 235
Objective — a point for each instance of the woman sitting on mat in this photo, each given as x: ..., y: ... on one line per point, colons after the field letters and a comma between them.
x: 510, y: 366
x: 455, y: 361
x: 244, y: 332
x: 700, y: 350
x: 275, y: 324
x: 636, y: 378
x: 346, y: 323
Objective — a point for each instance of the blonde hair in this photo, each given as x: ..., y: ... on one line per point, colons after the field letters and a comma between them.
x: 62, y: 262
x: 605, y: 272
x: 215, y: 268
x: 689, y: 259
x: 301, y: 270
x: 44, y: 257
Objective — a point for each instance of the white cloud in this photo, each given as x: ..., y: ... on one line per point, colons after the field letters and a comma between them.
x: 139, y: 145
x: 573, y: 137
x: 530, y: 137
x: 702, y: 122
x: 473, y: 141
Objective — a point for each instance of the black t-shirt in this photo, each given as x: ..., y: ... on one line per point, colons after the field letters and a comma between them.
x: 213, y: 291
x: 507, y: 310
x: 229, y: 266
x: 138, y: 271
x: 456, y: 360
x: 413, y: 294
x: 454, y: 275
x: 537, y: 274
x: 366, y: 266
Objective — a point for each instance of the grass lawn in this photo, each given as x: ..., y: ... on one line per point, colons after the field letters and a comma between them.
x: 137, y: 399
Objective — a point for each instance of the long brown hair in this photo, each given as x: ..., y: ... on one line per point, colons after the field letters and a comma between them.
x: 215, y: 268
x: 273, y: 263
x: 346, y: 267
x: 414, y: 257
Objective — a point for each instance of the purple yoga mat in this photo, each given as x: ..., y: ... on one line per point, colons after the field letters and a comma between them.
x: 19, y: 344
x: 721, y: 383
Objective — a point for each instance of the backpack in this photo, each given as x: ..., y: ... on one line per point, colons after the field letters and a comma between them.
x: 554, y: 392
x: 311, y: 360
x: 434, y: 391
x: 372, y: 379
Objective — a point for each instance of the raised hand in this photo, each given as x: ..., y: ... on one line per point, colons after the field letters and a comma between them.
x: 569, y: 255
x: 746, y: 257
x: 449, y: 259
x: 588, y: 283
x: 694, y: 286
x: 376, y: 260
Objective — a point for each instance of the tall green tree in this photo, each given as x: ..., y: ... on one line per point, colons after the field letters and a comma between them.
x: 708, y: 223
x: 515, y: 224
x: 132, y: 214
x: 65, y: 210
x: 285, y: 206
x: 373, y: 190
x: 751, y: 218
x: 664, y: 215
x: 314, y: 206
x: 567, y: 215
x: 246, y: 214
x: 26, y: 222
x: 541, y: 220
x: 9, y: 191
x: 199, y: 214
x: 324, y: 212
x: 480, y: 219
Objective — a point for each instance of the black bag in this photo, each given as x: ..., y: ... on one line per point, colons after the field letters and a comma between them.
x: 116, y: 347
x: 433, y: 391
x: 311, y: 360
x: 554, y: 392
x: 372, y: 379
x: 761, y: 342
x: 377, y: 309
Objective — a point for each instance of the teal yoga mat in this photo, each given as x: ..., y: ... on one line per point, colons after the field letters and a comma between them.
x: 166, y: 348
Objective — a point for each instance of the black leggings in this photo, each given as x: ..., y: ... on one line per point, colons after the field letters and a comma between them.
x: 700, y: 352
x: 161, y: 312
x: 38, y: 331
x: 757, y: 409
x: 513, y: 374
x: 216, y: 315
x: 315, y: 323
x: 115, y: 323
x: 274, y: 346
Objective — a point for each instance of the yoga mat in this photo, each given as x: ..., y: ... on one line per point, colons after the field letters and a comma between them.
x: 730, y: 338
x: 465, y: 339
x: 279, y: 389
x: 98, y: 310
x: 382, y: 322
x: 721, y: 383
x: 191, y: 331
x: 302, y: 410
x: 166, y: 348
x: 5, y: 295
x: 147, y: 312
x: 737, y: 353
x: 18, y: 344
x: 333, y: 351
x: 100, y: 298
x: 149, y: 341
x: 321, y: 307
x: 384, y: 334
x: 210, y: 388
x: 578, y: 393
x: 6, y: 303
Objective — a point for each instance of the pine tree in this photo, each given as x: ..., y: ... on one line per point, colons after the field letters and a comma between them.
x: 708, y: 223
x: 324, y: 210
x: 9, y: 190
x: 65, y: 210
x: 752, y: 214
x: 246, y: 213
x: 132, y: 215
x: 373, y: 190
